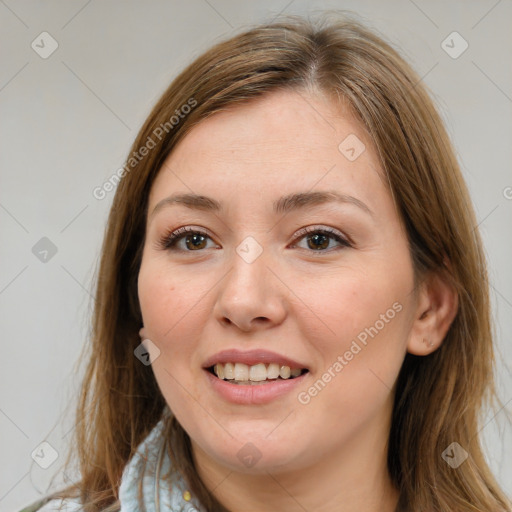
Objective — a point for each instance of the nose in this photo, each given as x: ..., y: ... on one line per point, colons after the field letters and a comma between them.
x: 250, y: 295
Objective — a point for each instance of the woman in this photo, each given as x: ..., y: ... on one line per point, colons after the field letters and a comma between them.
x: 292, y: 306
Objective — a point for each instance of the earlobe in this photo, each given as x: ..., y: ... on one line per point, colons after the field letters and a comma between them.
x: 429, y: 343
x: 422, y: 345
x: 426, y: 347
x: 437, y: 308
x: 142, y: 333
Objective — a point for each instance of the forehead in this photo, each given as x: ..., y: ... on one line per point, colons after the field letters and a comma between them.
x: 275, y: 144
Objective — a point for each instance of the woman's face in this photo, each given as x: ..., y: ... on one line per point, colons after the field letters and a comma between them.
x: 311, y: 282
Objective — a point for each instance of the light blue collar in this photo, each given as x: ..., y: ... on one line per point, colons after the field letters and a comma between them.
x: 148, y: 472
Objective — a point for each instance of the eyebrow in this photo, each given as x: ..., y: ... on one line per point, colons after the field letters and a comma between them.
x: 285, y: 204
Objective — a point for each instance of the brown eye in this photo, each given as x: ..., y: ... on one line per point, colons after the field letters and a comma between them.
x: 319, y: 239
x: 194, y: 240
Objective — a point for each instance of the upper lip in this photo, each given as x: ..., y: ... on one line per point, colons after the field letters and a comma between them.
x: 251, y: 357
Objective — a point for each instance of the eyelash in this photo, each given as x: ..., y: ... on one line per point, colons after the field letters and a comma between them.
x: 169, y: 240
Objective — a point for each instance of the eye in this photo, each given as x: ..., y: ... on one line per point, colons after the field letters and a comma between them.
x: 318, y: 239
x: 194, y: 239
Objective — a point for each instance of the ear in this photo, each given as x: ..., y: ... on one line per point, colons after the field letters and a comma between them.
x: 438, y: 303
x: 142, y: 333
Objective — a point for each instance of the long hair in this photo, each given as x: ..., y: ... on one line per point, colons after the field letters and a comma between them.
x: 439, y: 398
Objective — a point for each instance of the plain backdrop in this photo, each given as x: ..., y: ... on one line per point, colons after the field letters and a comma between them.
x: 67, y: 121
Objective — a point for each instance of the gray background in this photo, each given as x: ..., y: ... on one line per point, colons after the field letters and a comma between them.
x: 67, y: 123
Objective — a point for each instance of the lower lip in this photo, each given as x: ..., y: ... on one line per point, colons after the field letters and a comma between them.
x: 254, y: 394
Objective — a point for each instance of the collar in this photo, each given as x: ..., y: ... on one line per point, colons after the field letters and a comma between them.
x: 149, y: 472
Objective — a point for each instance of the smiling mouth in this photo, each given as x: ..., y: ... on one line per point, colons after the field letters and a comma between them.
x: 242, y: 374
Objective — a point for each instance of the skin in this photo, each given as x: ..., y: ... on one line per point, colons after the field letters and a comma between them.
x: 328, y: 454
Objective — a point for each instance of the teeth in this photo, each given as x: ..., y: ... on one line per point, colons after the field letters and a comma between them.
x: 219, y: 371
x: 241, y: 372
x: 244, y: 374
x: 284, y: 372
x: 258, y: 372
x: 273, y: 371
x: 229, y: 371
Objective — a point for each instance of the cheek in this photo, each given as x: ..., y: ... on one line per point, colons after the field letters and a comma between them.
x: 341, y: 307
x: 360, y: 360
x: 171, y: 315
x: 362, y: 318
x: 172, y: 319
x: 167, y: 301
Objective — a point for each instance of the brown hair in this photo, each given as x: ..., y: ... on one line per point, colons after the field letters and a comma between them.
x: 438, y: 397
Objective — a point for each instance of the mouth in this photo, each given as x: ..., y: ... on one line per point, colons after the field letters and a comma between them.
x: 254, y: 375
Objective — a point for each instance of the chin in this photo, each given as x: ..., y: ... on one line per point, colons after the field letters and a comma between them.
x: 253, y: 454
